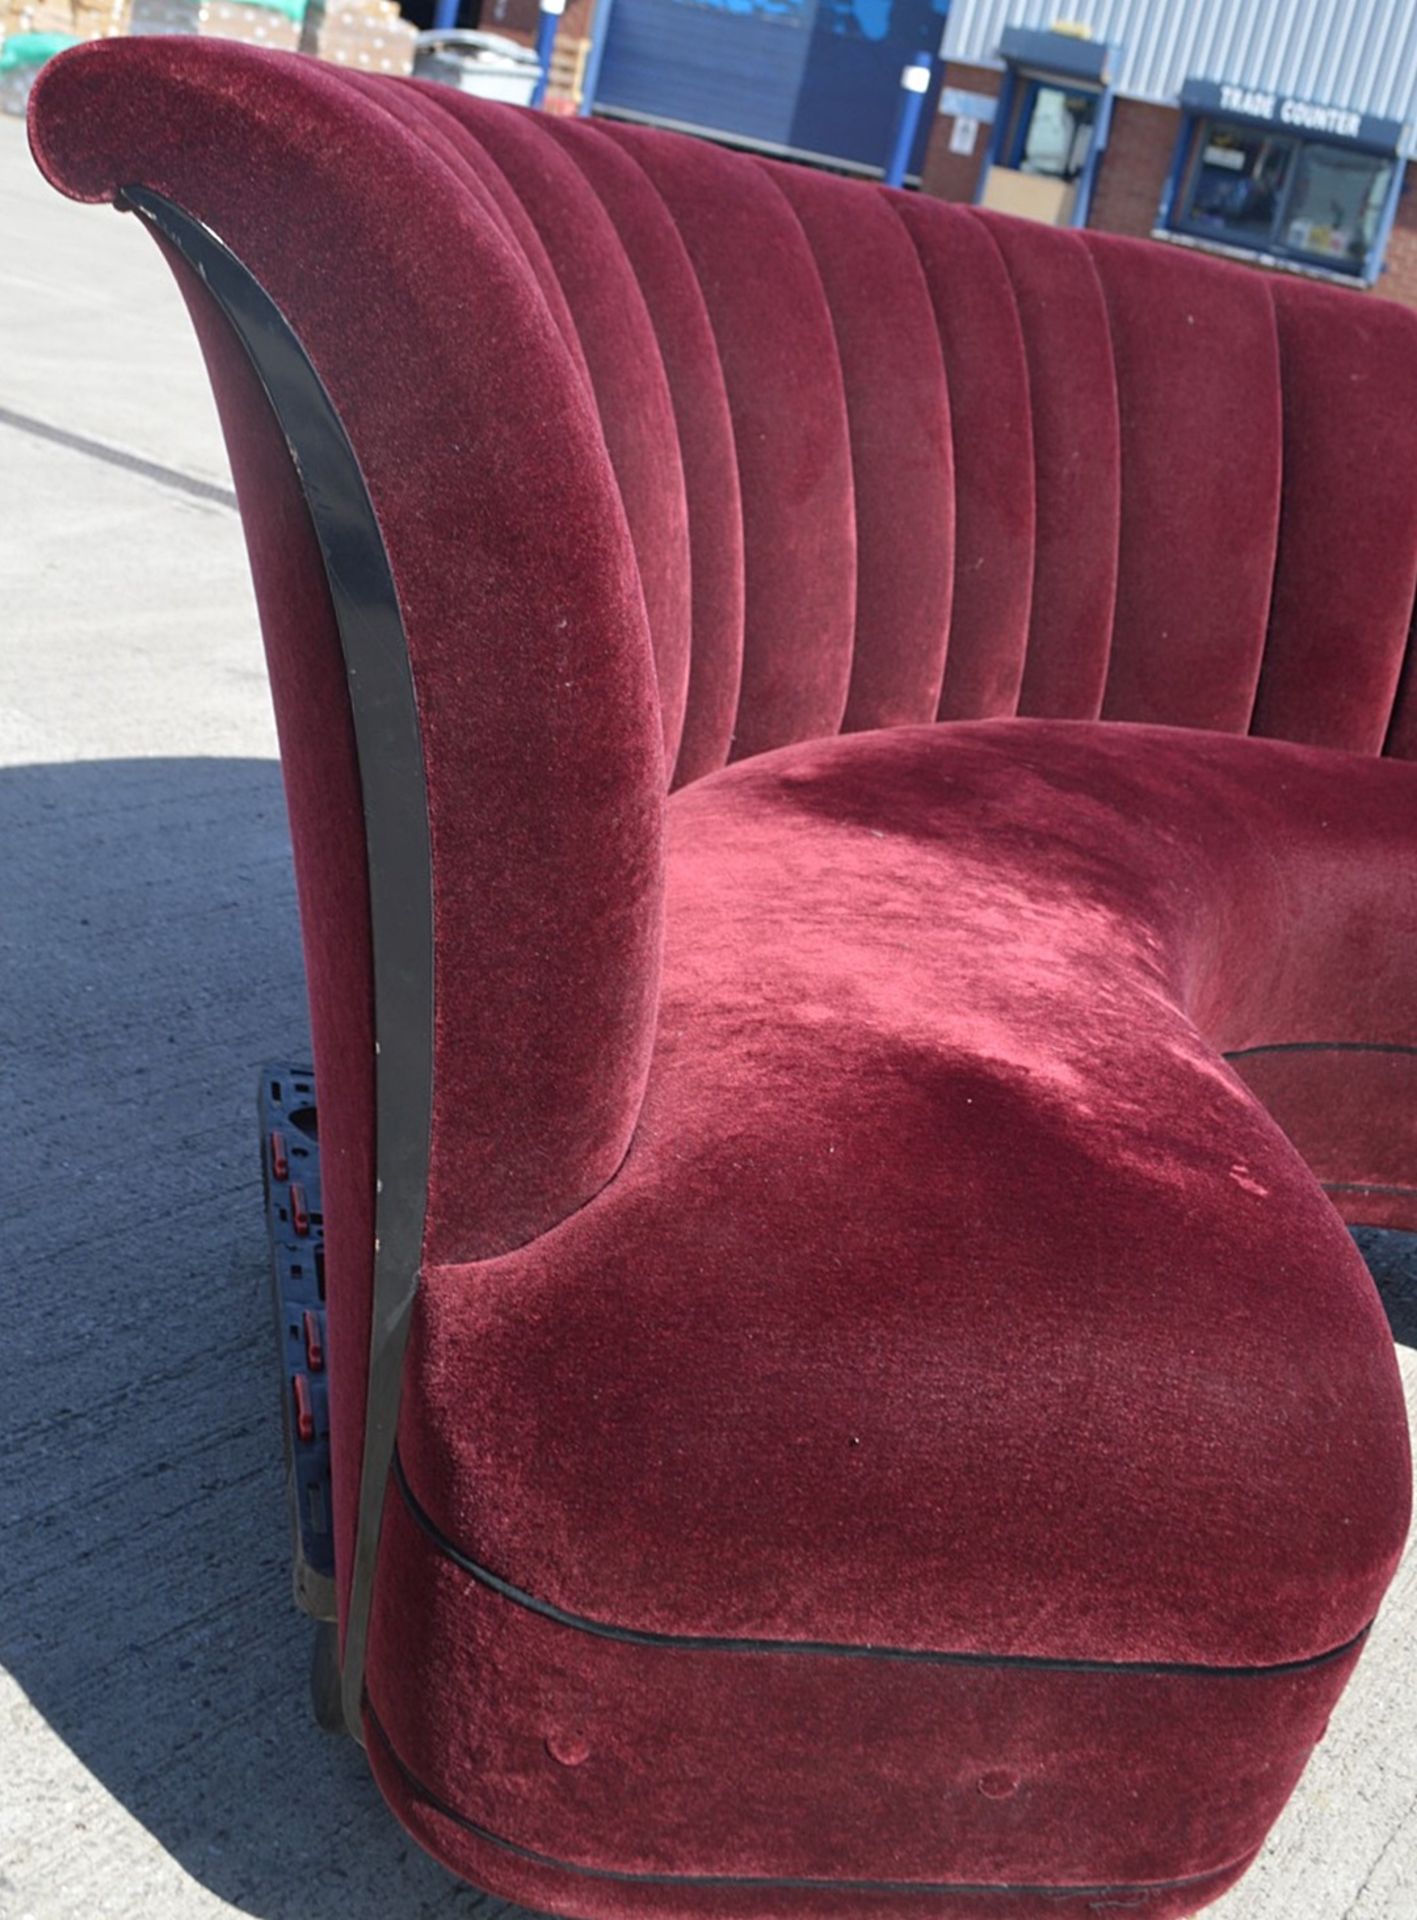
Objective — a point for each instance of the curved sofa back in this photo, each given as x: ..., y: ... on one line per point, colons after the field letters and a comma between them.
x: 886, y: 460
x: 912, y: 461
x: 939, y: 463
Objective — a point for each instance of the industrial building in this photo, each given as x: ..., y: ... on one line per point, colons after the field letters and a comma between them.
x: 1276, y: 134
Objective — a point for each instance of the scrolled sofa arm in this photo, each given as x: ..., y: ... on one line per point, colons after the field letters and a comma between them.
x: 460, y: 660
x: 516, y: 583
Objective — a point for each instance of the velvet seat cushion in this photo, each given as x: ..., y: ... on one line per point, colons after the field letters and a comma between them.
x: 957, y: 1299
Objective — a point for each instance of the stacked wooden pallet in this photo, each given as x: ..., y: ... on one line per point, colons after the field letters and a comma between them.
x: 257, y: 22
x: 371, y: 34
x: 77, y: 19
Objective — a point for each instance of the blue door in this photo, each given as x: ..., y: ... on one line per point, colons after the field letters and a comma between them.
x: 811, y: 77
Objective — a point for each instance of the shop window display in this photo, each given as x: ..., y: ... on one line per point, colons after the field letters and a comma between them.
x: 1303, y: 198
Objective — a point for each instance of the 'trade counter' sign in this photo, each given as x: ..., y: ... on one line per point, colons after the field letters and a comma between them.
x: 1288, y: 114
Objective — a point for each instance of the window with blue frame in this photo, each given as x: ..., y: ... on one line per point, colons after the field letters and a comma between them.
x: 1307, y: 200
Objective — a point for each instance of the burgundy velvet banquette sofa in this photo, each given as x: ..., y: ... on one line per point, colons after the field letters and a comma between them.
x: 853, y: 774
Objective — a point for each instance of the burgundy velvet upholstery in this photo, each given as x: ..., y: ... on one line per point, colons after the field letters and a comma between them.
x: 617, y: 337
x: 902, y: 463
x: 894, y: 1421
x: 982, y: 340
x: 1332, y: 658
x: 705, y: 436
x: 1072, y: 389
x: 1072, y: 1066
x: 1108, y: 1300
x: 791, y: 435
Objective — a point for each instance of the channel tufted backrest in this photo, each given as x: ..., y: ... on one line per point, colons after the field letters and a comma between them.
x: 940, y: 463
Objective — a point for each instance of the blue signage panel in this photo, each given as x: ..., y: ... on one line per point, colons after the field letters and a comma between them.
x: 809, y: 76
x: 1287, y: 113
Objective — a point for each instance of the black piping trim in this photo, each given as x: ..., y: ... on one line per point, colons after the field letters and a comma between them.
x: 621, y: 1876
x: 1361, y: 1186
x: 1337, y: 1046
x: 1320, y: 1046
x: 830, y: 1649
x: 389, y: 749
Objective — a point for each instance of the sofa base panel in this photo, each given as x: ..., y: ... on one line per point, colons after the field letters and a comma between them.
x: 604, y: 1777
x: 543, y: 1887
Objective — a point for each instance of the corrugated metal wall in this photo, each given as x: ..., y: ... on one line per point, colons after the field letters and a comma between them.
x: 1345, y: 53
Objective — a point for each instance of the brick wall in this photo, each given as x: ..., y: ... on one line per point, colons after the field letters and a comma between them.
x: 952, y: 176
x: 1132, y: 172
x: 1399, y: 280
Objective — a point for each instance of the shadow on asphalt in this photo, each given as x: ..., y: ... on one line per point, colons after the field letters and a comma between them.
x: 1392, y: 1261
x: 151, y: 964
